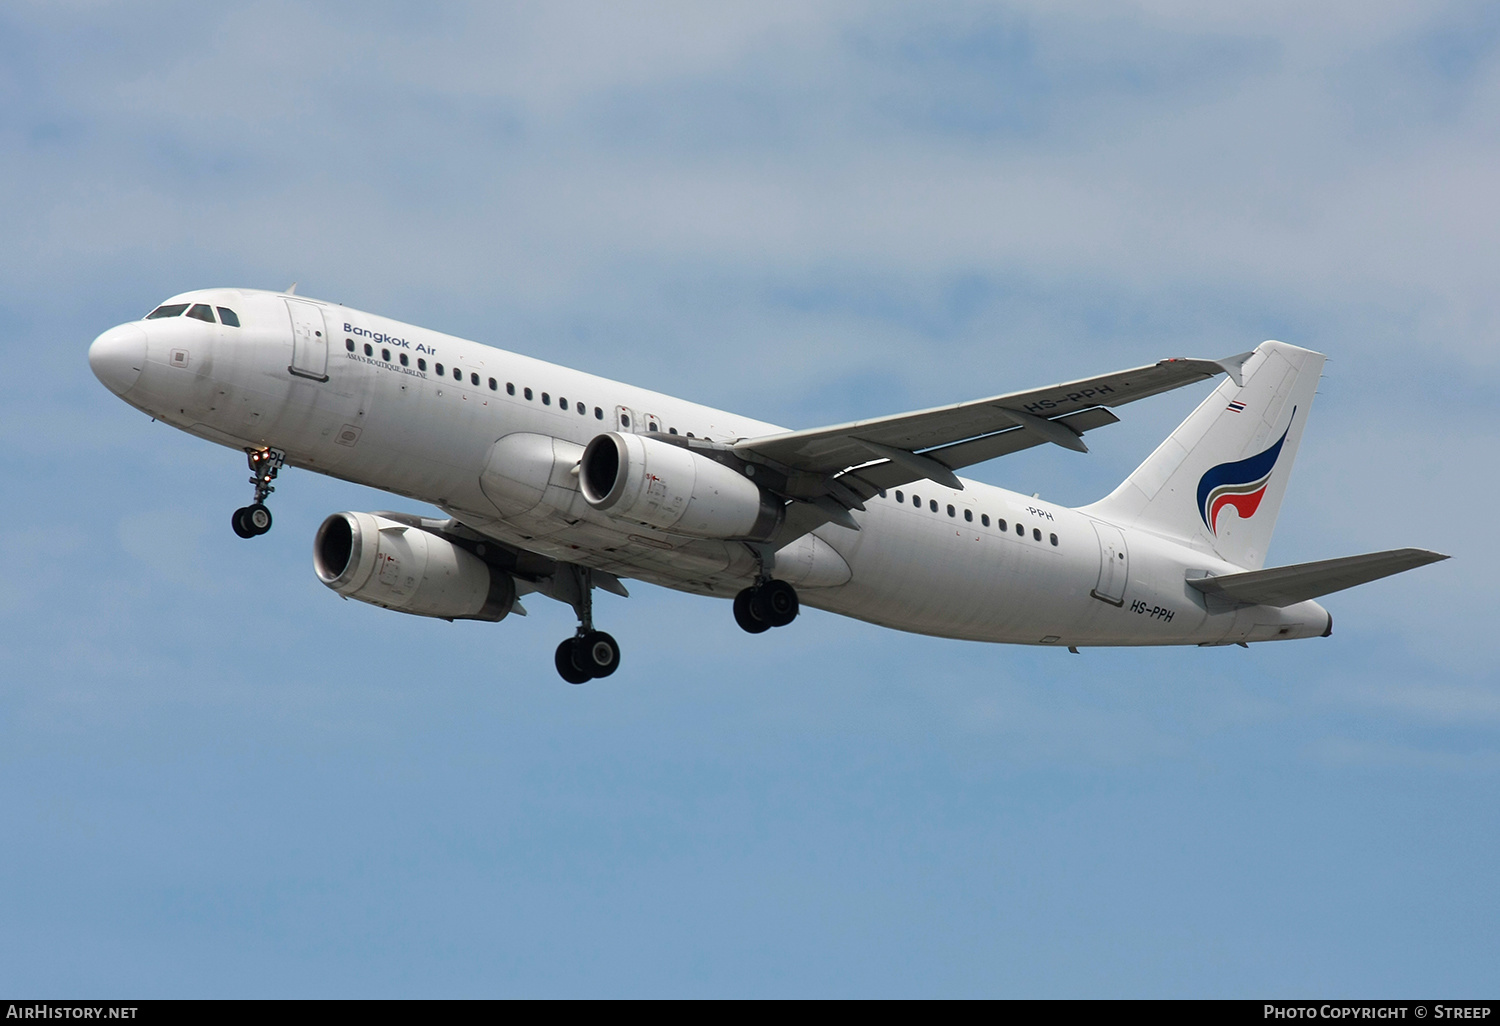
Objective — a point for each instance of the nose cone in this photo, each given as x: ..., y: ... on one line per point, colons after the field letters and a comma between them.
x: 117, y: 356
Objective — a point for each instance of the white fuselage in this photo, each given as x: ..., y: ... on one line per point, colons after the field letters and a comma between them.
x: 433, y: 438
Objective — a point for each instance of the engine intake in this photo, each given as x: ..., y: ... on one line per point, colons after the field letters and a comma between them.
x: 394, y: 566
x: 642, y: 479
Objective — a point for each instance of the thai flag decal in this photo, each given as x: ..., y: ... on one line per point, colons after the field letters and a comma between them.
x: 1241, y: 484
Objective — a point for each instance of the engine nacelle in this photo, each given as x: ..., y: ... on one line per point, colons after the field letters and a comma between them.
x: 388, y: 564
x: 641, y: 479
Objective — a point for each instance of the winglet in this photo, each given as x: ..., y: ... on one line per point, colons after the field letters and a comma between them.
x: 1234, y: 366
x: 291, y: 290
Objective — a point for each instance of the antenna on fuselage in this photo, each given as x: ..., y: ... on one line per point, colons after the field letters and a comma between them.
x: 291, y: 290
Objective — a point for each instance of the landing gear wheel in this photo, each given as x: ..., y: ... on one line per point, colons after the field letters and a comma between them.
x: 599, y: 653
x: 750, y: 612
x: 779, y: 600
x: 569, y: 661
x: 241, y: 528
x: 257, y: 518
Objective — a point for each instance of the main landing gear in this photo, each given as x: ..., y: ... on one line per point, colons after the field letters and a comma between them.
x: 764, y: 605
x: 589, y: 653
x: 254, y: 519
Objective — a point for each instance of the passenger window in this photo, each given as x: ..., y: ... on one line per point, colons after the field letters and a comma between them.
x: 951, y: 510
x: 421, y: 364
x: 349, y: 344
x: 405, y: 360
x: 228, y: 317
x: 1054, y: 539
x: 437, y: 366
x: 527, y: 393
x: 458, y: 375
x: 1021, y: 530
x: 1036, y: 534
x: 653, y: 427
x: 671, y: 431
x: 599, y: 415
x: 624, y: 420
x: 583, y: 411
x: 494, y: 385
x: 385, y: 354
x: 562, y: 402
x: 984, y: 518
x: 175, y: 310
x: 916, y: 500
x: 474, y: 380
x: 546, y: 399
x: 969, y: 515
x: 899, y: 496
x: 510, y: 388
x: 369, y: 349
x: 1002, y: 525
x: 202, y: 312
x: 932, y: 505
x: 882, y: 491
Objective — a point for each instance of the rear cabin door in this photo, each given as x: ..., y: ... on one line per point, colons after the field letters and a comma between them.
x: 309, y: 341
x: 1114, y: 565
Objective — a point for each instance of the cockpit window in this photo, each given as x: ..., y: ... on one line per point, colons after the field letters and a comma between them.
x: 170, y: 310
x: 202, y: 311
x: 229, y: 317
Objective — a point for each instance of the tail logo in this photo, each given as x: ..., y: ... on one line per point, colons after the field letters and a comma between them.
x: 1241, y: 484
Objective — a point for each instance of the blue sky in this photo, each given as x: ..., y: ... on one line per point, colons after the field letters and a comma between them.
x: 217, y: 779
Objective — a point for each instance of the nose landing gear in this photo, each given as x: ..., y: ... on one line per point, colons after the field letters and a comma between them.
x: 265, y: 464
x: 249, y: 521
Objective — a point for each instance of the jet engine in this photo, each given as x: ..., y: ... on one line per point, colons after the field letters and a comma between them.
x: 642, y: 479
x: 388, y: 564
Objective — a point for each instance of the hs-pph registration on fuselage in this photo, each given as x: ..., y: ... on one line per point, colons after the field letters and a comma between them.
x: 558, y: 482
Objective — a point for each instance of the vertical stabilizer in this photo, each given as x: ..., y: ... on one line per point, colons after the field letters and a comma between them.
x: 1217, y: 481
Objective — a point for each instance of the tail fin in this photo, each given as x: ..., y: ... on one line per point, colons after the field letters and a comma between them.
x: 1218, y: 480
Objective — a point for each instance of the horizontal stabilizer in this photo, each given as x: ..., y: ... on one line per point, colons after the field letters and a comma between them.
x: 1288, y: 585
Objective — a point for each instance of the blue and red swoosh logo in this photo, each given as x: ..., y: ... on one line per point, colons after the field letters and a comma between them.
x: 1241, y: 484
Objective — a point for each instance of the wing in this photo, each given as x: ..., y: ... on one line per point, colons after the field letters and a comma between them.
x: 848, y: 463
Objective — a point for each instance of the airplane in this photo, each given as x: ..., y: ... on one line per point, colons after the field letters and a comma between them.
x: 558, y: 482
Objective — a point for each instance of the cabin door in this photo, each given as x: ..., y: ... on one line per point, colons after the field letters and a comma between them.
x: 1114, y: 565
x: 309, y: 341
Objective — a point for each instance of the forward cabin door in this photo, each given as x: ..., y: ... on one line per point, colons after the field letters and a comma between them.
x: 309, y: 341
x: 1114, y: 565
